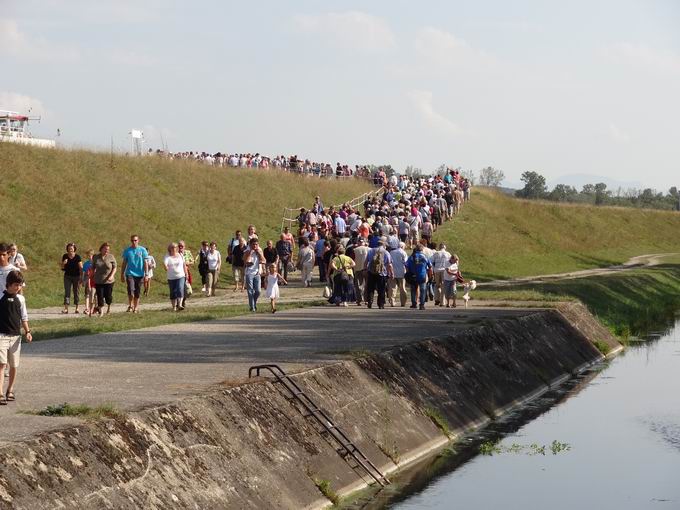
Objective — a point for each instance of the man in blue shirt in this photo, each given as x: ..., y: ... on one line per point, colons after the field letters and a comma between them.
x: 418, y: 264
x: 379, y: 268
x: 135, y: 271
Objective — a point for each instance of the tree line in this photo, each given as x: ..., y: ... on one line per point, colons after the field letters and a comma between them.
x: 598, y: 194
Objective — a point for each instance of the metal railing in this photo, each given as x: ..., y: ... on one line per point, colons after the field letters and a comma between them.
x: 347, y: 447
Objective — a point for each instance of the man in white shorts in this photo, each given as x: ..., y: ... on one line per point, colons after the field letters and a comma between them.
x: 13, y: 316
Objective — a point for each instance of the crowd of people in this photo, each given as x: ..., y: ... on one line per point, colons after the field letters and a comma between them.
x: 359, y: 253
x: 287, y: 163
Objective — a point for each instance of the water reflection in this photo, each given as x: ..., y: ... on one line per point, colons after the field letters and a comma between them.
x: 622, y: 420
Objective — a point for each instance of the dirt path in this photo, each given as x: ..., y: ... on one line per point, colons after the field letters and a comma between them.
x: 649, y: 260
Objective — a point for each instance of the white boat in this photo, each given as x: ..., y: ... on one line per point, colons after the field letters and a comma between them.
x: 14, y: 128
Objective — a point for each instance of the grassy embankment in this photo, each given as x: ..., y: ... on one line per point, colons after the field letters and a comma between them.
x: 86, y: 197
x: 500, y: 237
x: 52, y: 197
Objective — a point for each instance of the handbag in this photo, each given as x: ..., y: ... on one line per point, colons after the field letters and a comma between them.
x: 326, y: 291
x: 410, y: 278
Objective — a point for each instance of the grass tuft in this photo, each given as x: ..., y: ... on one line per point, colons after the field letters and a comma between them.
x: 439, y: 420
x: 602, y: 346
x: 81, y: 411
x: 325, y: 488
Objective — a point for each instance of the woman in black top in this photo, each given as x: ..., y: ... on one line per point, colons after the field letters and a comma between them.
x: 72, y: 266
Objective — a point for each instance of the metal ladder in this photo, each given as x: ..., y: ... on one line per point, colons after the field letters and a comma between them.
x: 346, y: 446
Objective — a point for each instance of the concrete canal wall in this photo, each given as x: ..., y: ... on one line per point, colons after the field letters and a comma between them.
x: 251, y: 447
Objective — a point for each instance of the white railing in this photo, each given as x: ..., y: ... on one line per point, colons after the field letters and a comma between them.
x: 289, y: 217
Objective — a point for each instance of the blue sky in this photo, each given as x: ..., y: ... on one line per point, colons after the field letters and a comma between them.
x: 561, y: 88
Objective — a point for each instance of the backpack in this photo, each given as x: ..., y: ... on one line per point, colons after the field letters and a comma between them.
x: 377, y: 265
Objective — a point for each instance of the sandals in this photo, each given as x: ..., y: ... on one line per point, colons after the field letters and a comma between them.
x: 3, y: 400
x: 64, y: 312
x: 10, y: 396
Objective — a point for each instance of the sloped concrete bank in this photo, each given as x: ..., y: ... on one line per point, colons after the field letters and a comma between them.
x: 250, y: 447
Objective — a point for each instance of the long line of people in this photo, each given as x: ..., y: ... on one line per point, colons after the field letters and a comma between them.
x: 359, y: 255
x: 256, y: 160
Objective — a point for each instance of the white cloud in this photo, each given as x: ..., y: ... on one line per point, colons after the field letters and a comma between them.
x: 353, y: 29
x: 662, y: 60
x: 15, y: 43
x: 22, y: 104
x: 617, y: 134
x: 444, y: 49
x: 422, y: 101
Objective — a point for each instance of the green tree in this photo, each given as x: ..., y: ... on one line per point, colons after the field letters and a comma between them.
x: 601, y: 193
x: 490, y: 176
x: 563, y: 193
x: 534, y: 186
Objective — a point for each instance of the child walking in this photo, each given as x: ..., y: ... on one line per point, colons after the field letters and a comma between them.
x: 88, y: 283
x: 13, y: 317
x: 273, y: 279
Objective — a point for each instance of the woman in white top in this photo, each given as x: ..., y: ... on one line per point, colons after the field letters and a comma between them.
x: 451, y: 274
x: 177, y: 272
x: 214, y: 266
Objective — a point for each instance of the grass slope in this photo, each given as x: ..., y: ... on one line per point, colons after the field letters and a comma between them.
x: 636, y: 301
x: 52, y: 197
x: 498, y: 236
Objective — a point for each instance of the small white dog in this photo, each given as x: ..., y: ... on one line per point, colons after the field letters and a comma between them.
x: 467, y: 287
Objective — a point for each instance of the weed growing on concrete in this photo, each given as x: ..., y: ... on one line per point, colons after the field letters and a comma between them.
x: 81, y: 410
x: 390, y: 451
x: 438, y: 420
x: 602, y: 346
x: 325, y: 488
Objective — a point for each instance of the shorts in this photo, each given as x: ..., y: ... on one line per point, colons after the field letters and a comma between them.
x: 238, y: 274
x: 450, y: 289
x: 10, y: 350
x: 134, y: 285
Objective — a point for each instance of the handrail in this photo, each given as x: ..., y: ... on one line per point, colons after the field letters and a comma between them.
x: 323, y: 419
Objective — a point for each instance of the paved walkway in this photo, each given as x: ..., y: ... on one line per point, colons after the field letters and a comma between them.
x: 133, y: 369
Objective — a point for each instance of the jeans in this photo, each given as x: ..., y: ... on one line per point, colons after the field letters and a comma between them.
x: 253, y: 282
x: 177, y: 288
x: 414, y: 288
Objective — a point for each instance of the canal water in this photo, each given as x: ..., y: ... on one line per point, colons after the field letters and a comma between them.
x: 620, y: 422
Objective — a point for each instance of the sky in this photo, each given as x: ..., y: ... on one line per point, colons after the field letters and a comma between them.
x: 573, y: 90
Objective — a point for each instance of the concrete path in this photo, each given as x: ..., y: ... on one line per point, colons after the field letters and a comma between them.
x: 140, y: 368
